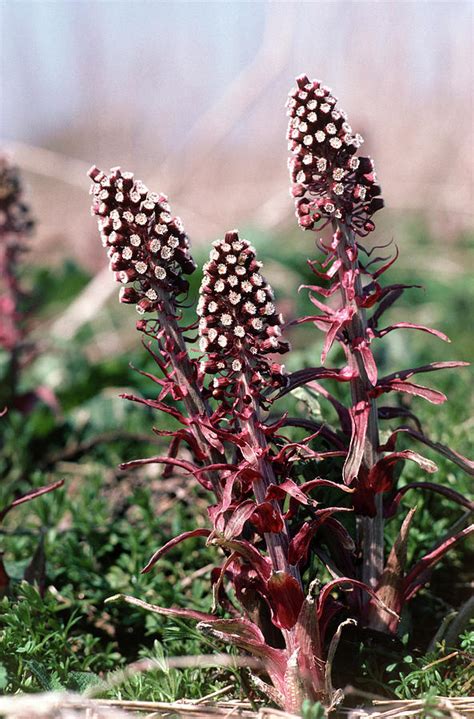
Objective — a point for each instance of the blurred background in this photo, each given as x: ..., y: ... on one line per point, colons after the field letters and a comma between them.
x: 190, y: 96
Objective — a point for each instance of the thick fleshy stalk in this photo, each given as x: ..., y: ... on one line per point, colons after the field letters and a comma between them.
x: 371, y: 529
x: 332, y: 185
x: 239, y: 327
x: 147, y: 246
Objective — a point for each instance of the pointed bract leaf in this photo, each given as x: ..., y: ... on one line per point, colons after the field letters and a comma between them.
x: 415, y: 580
x: 286, y: 597
x: 172, y: 543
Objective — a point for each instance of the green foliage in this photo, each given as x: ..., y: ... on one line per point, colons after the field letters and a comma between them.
x: 441, y: 673
x: 39, y: 649
x: 310, y: 710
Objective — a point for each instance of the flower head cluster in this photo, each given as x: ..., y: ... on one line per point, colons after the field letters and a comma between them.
x: 147, y: 246
x: 15, y: 215
x: 329, y: 181
x: 15, y: 224
x: 238, y: 324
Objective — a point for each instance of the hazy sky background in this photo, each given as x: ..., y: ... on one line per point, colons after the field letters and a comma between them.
x: 190, y: 95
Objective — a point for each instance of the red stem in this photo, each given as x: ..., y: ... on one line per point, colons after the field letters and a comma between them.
x: 195, y: 405
x: 370, y: 529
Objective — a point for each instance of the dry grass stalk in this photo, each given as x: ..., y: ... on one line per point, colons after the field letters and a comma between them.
x: 73, y: 706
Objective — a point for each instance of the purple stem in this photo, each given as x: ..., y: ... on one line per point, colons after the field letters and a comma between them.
x: 370, y: 528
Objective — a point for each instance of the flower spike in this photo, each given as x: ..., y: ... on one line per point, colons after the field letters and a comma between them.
x: 329, y: 181
x: 147, y: 246
x: 239, y: 325
x: 15, y: 216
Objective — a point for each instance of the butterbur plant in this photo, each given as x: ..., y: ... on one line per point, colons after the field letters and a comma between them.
x: 16, y: 224
x: 221, y: 379
x: 336, y: 188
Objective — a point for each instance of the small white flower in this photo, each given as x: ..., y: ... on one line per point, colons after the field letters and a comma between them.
x: 155, y: 245
x: 239, y: 331
x: 203, y: 344
x: 135, y: 240
x: 222, y: 269
x: 308, y: 159
x: 173, y: 242
x: 240, y: 270
x: 325, y: 107
x: 246, y: 286
x: 141, y: 267
x: 250, y: 308
x: 212, y: 334
x: 127, y: 253
x: 320, y: 136
x: 354, y: 163
x: 301, y: 177
x: 151, y: 294
x: 321, y: 164
x: 234, y: 298
x: 166, y: 253
x: 338, y: 173
x: 236, y: 365
x: 257, y: 323
x: 212, y: 306
x: 269, y: 308
x: 160, y: 229
x: 312, y: 104
x: 160, y: 272
x: 219, y: 286
x: 339, y: 188
x: 231, y: 259
x: 257, y: 279
x: 329, y: 208
x: 260, y: 296
x: 141, y: 218
x: 308, y: 139
x: 232, y: 280
x: 335, y: 142
x: 165, y: 217
x: 222, y: 340
x: 226, y: 320
x: 128, y: 216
